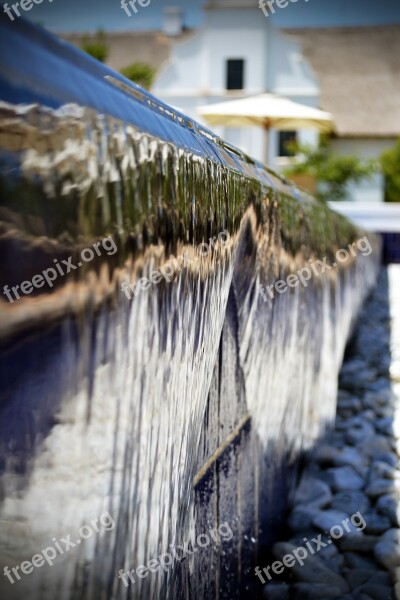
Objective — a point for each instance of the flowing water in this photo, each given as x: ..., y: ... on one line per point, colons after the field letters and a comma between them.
x: 187, y: 405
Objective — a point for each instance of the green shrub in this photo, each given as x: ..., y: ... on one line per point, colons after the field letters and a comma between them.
x: 139, y: 73
x: 331, y: 172
x: 390, y: 164
x: 96, y: 46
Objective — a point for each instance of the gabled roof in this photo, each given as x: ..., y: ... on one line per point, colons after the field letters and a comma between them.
x: 358, y: 71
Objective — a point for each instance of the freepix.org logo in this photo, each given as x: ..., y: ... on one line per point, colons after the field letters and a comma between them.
x: 298, y: 555
x: 167, y: 560
x: 175, y: 265
x: 133, y: 4
x: 25, y: 5
x: 269, y: 4
x: 50, y: 554
x: 48, y: 276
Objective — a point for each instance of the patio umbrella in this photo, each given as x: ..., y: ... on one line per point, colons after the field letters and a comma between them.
x: 267, y: 110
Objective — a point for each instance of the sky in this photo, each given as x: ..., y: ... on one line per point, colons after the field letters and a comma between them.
x: 89, y: 15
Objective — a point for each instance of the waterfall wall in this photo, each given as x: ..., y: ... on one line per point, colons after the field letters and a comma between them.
x: 173, y: 394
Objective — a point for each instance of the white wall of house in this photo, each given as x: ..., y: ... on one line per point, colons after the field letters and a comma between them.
x: 289, y: 73
x: 197, y: 66
x: 195, y: 75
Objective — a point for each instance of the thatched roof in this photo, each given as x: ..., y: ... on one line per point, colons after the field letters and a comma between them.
x: 150, y: 47
x: 358, y: 71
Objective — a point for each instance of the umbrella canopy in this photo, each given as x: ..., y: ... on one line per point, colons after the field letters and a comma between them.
x: 267, y: 110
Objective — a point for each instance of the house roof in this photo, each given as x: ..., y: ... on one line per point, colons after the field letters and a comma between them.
x: 358, y: 71
x: 150, y: 47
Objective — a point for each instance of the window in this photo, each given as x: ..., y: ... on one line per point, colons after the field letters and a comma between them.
x: 285, y: 138
x: 234, y: 74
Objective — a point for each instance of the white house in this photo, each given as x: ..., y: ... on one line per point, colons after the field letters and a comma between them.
x: 238, y: 52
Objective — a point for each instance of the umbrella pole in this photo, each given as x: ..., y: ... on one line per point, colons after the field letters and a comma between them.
x: 266, y: 144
